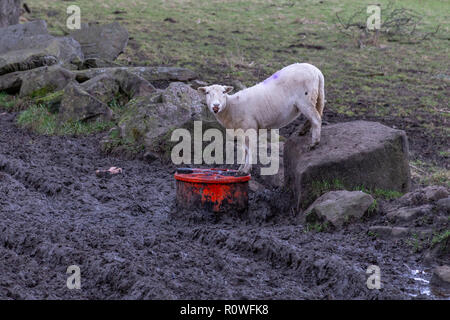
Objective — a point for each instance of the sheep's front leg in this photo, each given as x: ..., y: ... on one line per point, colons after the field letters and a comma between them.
x: 244, y: 157
x: 247, y: 166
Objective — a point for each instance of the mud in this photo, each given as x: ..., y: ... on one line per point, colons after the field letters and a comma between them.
x: 130, y: 241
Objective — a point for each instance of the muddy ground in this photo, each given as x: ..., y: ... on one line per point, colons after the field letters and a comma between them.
x: 130, y: 241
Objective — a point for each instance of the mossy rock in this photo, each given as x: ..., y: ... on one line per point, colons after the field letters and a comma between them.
x: 150, y: 120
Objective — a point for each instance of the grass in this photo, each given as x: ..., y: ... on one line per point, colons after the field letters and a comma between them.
x: 385, y: 194
x: 418, y: 243
x: 321, y: 187
x: 440, y: 237
x: 429, y: 173
x: 7, y: 102
x: 372, y: 234
x: 373, y: 207
x: 316, y: 227
x: 39, y: 119
x: 415, y: 243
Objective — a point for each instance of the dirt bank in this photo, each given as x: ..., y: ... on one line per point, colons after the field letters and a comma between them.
x: 130, y: 242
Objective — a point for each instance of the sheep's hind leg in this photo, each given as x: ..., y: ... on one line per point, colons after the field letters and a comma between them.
x: 314, y: 118
x: 244, y: 158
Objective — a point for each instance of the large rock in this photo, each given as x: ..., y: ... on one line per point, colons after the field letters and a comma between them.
x: 102, y: 41
x: 108, y: 85
x: 40, y: 50
x: 444, y: 205
x: 9, y: 12
x: 17, y: 33
x: 440, y: 281
x: 426, y: 195
x: 407, y: 214
x: 78, y: 105
x: 47, y: 78
x: 389, y: 232
x: 21, y: 60
x: 11, y: 82
x: 41, y: 81
x: 132, y: 84
x: 148, y: 73
x: 353, y: 154
x: 149, y: 120
x: 27, y: 46
x: 339, y: 207
x: 103, y: 87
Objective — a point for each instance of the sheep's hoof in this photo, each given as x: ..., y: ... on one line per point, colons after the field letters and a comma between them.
x: 244, y: 171
x: 313, y: 146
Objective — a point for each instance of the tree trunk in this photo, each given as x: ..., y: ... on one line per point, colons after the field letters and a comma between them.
x: 9, y: 12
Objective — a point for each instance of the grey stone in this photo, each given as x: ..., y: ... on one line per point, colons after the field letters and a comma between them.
x: 150, y: 119
x: 40, y: 50
x: 381, y: 231
x: 102, y: 87
x: 444, y: 204
x: 357, y: 153
x: 399, y: 232
x: 102, y: 41
x: 195, y: 84
x: 132, y: 84
x: 148, y: 73
x: 440, y: 281
x: 9, y: 12
x: 424, y: 195
x: 21, y: 60
x: 45, y: 79
x: 10, y: 36
x: 339, y: 207
x: 389, y: 232
x: 11, y: 82
x: 408, y: 214
x: 78, y: 105
x: 108, y: 84
x: 435, y: 193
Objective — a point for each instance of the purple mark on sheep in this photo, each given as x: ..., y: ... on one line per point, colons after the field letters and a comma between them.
x: 272, y: 77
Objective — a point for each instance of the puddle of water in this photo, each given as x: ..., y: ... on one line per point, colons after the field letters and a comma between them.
x: 421, y: 284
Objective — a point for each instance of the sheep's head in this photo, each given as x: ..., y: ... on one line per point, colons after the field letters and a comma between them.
x: 216, y: 96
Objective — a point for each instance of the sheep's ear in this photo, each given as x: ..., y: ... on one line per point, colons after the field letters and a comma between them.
x: 201, y: 89
x: 228, y: 89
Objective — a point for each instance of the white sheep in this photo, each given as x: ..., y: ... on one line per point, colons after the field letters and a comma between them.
x: 271, y: 104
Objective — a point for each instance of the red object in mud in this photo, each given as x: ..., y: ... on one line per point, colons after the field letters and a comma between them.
x: 217, y: 190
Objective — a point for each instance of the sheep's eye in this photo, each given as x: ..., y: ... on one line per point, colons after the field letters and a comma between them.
x: 207, y: 92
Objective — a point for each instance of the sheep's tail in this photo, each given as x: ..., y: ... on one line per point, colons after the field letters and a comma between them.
x: 320, y: 103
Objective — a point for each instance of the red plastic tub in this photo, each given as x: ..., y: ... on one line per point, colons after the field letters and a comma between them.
x: 217, y: 190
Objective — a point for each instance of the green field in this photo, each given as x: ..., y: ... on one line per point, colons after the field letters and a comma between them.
x: 402, y: 81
